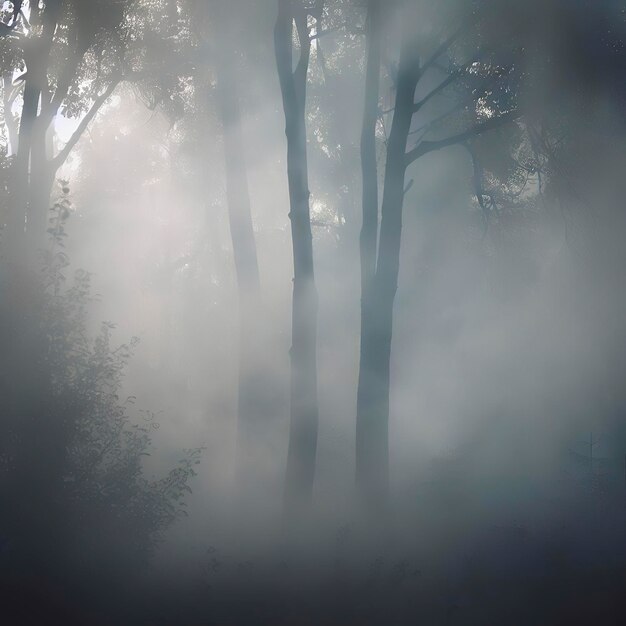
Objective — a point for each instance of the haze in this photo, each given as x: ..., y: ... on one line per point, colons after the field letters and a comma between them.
x: 312, y: 312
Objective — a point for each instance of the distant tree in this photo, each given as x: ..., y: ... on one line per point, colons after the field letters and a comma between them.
x: 222, y: 47
x: 575, y: 99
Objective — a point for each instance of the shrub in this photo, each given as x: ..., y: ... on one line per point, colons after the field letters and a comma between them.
x: 73, y: 496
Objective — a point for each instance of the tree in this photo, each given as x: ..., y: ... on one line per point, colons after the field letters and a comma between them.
x: 304, y: 406
x: 72, y: 55
x: 54, y: 42
x: 369, y: 168
x: 217, y: 29
x: 71, y: 450
x: 481, y: 85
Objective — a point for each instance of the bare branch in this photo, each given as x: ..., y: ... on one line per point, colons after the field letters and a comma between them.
x: 62, y: 156
x: 322, y: 33
x: 425, y: 147
x: 453, y: 76
x: 467, y: 23
x: 442, y: 48
x: 461, y: 103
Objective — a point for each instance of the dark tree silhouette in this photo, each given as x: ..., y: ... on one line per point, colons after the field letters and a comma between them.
x: 380, y: 281
x: 304, y: 406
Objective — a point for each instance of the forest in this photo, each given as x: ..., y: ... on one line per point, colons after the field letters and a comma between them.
x: 312, y: 312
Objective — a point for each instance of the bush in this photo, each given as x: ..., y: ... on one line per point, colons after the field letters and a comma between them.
x: 73, y: 496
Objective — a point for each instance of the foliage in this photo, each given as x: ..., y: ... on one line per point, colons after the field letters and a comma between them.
x: 72, y: 481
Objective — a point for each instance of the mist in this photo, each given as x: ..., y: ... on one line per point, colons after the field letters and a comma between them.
x: 312, y: 312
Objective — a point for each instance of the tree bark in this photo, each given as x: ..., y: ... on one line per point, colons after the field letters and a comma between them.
x: 42, y: 174
x: 251, y: 395
x: 30, y: 179
x: 372, y: 427
x: 21, y: 178
x: 304, y: 407
x: 9, y: 120
x: 369, y: 228
x: 372, y: 431
x: 237, y: 192
x: 369, y: 169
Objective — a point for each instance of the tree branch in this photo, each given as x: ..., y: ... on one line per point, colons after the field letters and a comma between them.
x: 467, y: 23
x: 323, y: 33
x: 442, y: 48
x: 425, y: 147
x: 448, y: 80
x: 426, y: 127
x: 62, y: 156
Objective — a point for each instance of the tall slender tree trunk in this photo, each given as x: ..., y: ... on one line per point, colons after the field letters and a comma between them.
x: 42, y: 174
x: 21, y: 179
x: 369, y: 228
x: 369, y: 169
x: 372, y: 429
x: 251, y: 406
x: 304, y: 407
x: 33, y: 176
x: 238, y: 196
x: 7, y: 103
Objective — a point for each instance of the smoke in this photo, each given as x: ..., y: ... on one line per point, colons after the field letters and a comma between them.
x: 507, y: 359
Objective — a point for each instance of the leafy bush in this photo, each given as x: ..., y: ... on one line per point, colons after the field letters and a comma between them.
x: 73, y: 496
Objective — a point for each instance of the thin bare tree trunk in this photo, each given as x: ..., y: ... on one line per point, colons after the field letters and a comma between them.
x: 9, y: 120
x: 372, y: 429
x: 42, y: 173
x: 30, y: 179
x: 369, y: 169
x: 304, y: 406
x: 251, y: 394
x: 369, y: 228
x: 21, y: 179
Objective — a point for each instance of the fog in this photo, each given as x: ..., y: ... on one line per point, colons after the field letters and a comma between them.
x: 266, y: 431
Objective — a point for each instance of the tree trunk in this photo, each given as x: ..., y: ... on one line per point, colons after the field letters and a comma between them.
x: 372, y: 427
x: 42, y: 174
x: 32, y: 175
x: 304, y: 407
x: 369, y: 228
x: 238, y: 196
x: 21, y: 179
x: 9, y: 120
x: 369, y: 169
x: 251, y: 394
